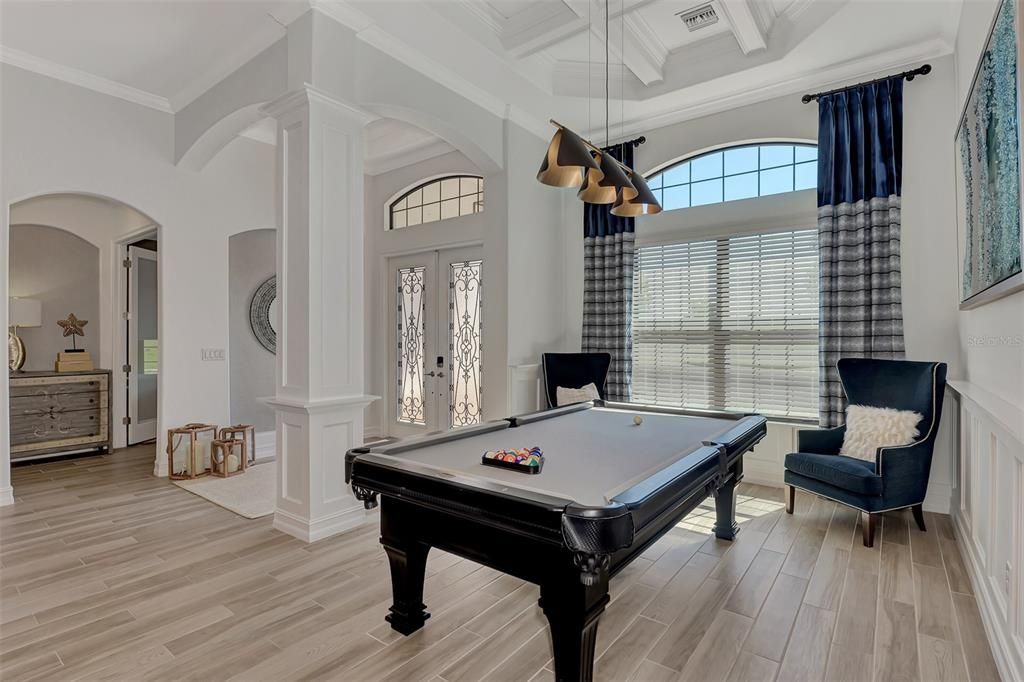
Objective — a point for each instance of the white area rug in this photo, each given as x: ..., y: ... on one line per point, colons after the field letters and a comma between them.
x: 251, y: 494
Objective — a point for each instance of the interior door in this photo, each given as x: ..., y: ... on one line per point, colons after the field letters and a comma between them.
x: 435, y: 341
x: 143, y: 365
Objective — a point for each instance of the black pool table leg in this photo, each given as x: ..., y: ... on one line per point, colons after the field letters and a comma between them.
x: 408, y: 559
x: 408, y: 565
x: 725, y: 504
x: 573, y: 611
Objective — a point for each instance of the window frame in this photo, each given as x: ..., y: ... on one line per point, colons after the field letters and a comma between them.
x: 717, y: 389
x: 690, y: 157
x: 405, y: 193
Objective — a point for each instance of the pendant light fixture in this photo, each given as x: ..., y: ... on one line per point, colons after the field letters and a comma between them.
x: 602, y: 185
x: 644, y: 203
x: 568, y: 158
x: 572, y: 161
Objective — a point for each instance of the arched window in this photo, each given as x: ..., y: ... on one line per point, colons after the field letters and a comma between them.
x: 438, y: 199
x: 741, y: 172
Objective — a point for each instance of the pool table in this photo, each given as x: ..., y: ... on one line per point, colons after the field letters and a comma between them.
x: 609, y: 488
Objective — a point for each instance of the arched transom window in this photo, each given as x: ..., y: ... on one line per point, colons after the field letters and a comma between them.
x: 438, y: 199
x: 740, y: 172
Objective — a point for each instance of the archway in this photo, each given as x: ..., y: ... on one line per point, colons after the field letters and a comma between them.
x: 102, y: 223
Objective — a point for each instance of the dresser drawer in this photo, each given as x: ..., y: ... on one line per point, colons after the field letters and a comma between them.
x: 46, y: 428
x: 56, y: 403
x: 58, y: 385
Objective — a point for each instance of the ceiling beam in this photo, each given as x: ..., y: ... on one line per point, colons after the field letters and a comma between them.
x: 645, y: 54
x: 747, y: 24
x: 550, y: 28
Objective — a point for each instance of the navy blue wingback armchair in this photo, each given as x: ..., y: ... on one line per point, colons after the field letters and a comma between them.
x: 573, y: 370
x: 898, y: 477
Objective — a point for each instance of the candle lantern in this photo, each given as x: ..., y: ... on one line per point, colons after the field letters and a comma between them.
x: 188, y: 450
x: 246, y: 434
x: 228, y: 457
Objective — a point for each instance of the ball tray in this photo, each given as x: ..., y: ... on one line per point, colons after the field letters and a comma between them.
x: 525, y: 460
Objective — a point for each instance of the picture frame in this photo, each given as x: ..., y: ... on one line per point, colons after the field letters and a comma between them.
x: 988, y: 151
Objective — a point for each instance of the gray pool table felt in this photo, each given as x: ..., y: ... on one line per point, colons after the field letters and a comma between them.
x: 590, y: 456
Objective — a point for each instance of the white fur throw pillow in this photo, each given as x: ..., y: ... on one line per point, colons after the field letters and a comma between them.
x: 870, y: 428
x: 566, y: 396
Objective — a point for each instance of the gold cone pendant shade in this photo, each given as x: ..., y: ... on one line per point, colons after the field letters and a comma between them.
x: 602, y: 185
x: 566, y: 161
x: 644, y: 203
x: 571, y: 161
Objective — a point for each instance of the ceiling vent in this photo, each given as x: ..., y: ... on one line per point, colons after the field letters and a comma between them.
x: 699, y: 17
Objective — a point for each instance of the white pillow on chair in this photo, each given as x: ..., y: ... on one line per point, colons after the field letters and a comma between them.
x: 870, y: 428
x: 566, y: 396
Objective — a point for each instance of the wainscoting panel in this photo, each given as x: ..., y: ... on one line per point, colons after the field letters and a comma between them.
x: 524, y: 390
x: 989, y: 516
x: 765, y: 463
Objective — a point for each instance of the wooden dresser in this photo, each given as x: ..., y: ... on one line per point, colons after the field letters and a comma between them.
x: 53, y: 412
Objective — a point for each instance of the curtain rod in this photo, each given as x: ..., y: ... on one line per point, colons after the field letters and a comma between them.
x: 923, y: 70
x: 636, y: 142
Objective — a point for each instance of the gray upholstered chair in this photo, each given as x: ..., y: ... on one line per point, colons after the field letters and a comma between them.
x: 898, y: 478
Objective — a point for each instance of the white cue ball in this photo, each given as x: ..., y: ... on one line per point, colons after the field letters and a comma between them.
x: 638, y: 420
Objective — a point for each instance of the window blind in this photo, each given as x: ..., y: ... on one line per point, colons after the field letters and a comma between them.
x: 728, y: 324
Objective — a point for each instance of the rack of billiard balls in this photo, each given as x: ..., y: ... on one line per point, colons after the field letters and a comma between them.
x: 523, y: 460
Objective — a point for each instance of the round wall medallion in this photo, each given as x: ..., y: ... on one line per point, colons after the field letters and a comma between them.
x: 263, y: 314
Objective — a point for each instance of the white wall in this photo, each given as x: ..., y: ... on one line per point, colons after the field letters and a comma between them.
x: 536, y: 311
x: 61, y: 138
x: 992, y: 336
x: 990, y: 499
x: 928, y: 228
x: 63, y: 272
x: 251, y: 260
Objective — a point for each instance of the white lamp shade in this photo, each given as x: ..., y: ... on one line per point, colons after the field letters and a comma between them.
x: 25, y: 312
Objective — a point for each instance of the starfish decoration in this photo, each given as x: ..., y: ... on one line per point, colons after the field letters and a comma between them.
x: 73, y: 326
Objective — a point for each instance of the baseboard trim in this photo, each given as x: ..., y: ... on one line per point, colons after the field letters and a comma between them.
x: 309, y: 531
x: 266, y: 445
x: 6, y: 496
x: 939, y: 498
x: 1009, y: 662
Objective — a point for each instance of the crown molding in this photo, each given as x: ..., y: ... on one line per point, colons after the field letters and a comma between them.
x: 485, y: 13
x: 741, y: 94
x: 310, y: 94
x: 82, y: 79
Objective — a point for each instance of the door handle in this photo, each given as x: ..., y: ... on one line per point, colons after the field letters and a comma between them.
x: 439, y: 375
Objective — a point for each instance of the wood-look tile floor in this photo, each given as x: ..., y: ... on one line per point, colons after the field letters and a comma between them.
x: 109, y: 573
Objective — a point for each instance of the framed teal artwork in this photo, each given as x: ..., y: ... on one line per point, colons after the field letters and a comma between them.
x: 988, y: 154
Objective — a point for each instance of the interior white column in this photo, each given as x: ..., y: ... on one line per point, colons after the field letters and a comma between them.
x: 319, y: 400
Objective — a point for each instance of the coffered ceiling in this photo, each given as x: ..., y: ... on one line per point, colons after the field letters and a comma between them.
x: 536, y: 58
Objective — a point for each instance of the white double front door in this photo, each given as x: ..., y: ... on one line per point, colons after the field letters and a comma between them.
x: 435, y: 341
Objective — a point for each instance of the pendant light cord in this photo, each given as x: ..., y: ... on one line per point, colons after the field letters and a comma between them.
x: 607, y: 98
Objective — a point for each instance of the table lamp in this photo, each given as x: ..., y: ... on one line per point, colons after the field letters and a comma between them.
x: 22, y: 312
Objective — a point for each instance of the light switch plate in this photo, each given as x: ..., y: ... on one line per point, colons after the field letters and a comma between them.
x: 213, y: 354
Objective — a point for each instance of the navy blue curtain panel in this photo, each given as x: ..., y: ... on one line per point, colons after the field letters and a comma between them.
x: 608, y: 287
x: 860, y: 158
